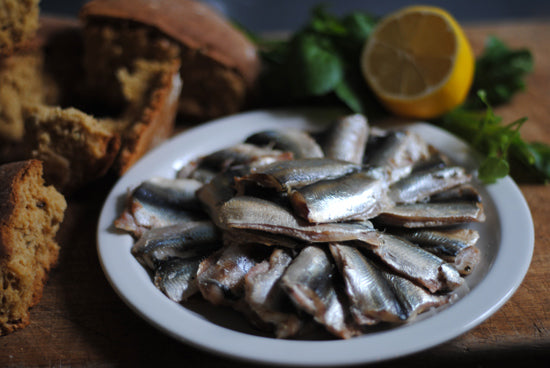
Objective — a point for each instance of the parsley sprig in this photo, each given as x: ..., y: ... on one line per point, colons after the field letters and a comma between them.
x: 320, y: 62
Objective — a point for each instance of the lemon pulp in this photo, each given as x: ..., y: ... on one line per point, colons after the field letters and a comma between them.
x: 418, y: 62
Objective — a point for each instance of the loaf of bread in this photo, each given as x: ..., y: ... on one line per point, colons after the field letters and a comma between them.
x: 18, y: 24
x: 75, y: 147
x: 219, y: 65
x: 30, y: 216
x: 45, y: 113
x: 151, y: 91
x: 20, y: 84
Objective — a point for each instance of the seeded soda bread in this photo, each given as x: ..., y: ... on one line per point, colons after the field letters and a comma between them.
x: 18, y: 24
x: 30, y: 216
x: 219, y: 65
x: 45, y: 113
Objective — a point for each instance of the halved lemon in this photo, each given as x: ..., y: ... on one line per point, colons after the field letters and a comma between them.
x: 418, y: 62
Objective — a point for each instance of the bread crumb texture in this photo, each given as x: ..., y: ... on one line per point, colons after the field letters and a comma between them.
x: 219, y: 64
x: 74, y: 146
x: 92, y: 96
x: 20, y: 84
x: 18, y: 24
x: 30, y: 216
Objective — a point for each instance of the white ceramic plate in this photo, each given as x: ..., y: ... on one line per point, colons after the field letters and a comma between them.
x: 506, y: 242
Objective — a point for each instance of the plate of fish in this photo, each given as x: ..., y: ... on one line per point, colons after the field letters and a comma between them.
x: 308, y: 237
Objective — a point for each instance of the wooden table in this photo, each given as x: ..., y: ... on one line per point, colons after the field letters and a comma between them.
x: 82, y: 322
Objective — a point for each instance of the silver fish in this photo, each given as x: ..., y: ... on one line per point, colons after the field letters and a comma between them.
x: 371, y: 297
x: 260, y: 237
x: 176, y: 277
x: 456, y: 246
x: 413, y: 298
x: 242, y: 154
x: 160, y: 203
x: 300, y: 143
x: 221, y: 276
x: 349, y: 197
x: 416, y: 215
x: 219, y: 190
x: 206, y: 167
x: 346, y: 139
x: 397, y: 151
x: 170, y: 193
x: 183, y: 240
x: 309, y: 281
x: 266, y: 298
x: 415, y: 263
x: 253, y: 213
x: 203, y: 174
x: 436, y: 160
x: 464, y: 192
x: 285, y: 175
x: 421, y: 185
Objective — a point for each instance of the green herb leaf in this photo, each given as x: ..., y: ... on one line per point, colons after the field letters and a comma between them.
x: 321, y: 61
x: 501, y: 144
x: 541, y: 155
x: 359, y: 26
x: 493, y: 168
x: 531, y: 161
x: 346, y: 93
x: 314, y: 66
x: 324, y: 23
x: 500, y: 72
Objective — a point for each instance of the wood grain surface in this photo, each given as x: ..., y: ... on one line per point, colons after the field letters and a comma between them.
x: 80, y: 321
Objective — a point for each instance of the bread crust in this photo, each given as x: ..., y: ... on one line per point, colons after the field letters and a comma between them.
x: 146, y: 119
x: 19, y: 22
x: 189, y: 22
x: 155, y: 121
x: 76, y: 148
x: 10, y: 177
x: 30, y: 215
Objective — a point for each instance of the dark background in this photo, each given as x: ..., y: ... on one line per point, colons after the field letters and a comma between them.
x: 278, y: 15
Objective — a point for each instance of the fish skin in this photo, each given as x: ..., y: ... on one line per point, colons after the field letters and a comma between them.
x: 346, y: 139
x: 205, y: 168
x: 397, y: 151
x: 309, y: 281
x: 145, y: 211
x: 253, y: 213
x: 434, y: 161
x: 465, y: 192
x: 203, y: 174
x: 456, y: 246
x: 414, y: 299
x: 349, y: 197
x: 286, y: 175
x: 372, y: 300
x: 219, y: 190
x: 241, y: 155
x: 299, y: 142
x: 170, y: 193
x: 416, y: 215
x: 415, y: 263
x: 150, y: 216
x: 183, y: 240
x: 177, y: 277
x: 266, y: 298
x: 261, y: 237
x: 421, y: 185
x: 221, y: 275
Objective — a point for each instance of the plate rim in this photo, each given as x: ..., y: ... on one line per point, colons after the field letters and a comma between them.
x: 234, y: 344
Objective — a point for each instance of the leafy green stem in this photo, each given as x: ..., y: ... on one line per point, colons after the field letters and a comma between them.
x: 321, y: 60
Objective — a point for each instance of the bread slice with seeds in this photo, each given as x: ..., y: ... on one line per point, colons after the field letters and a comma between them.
x: 30, y: 216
